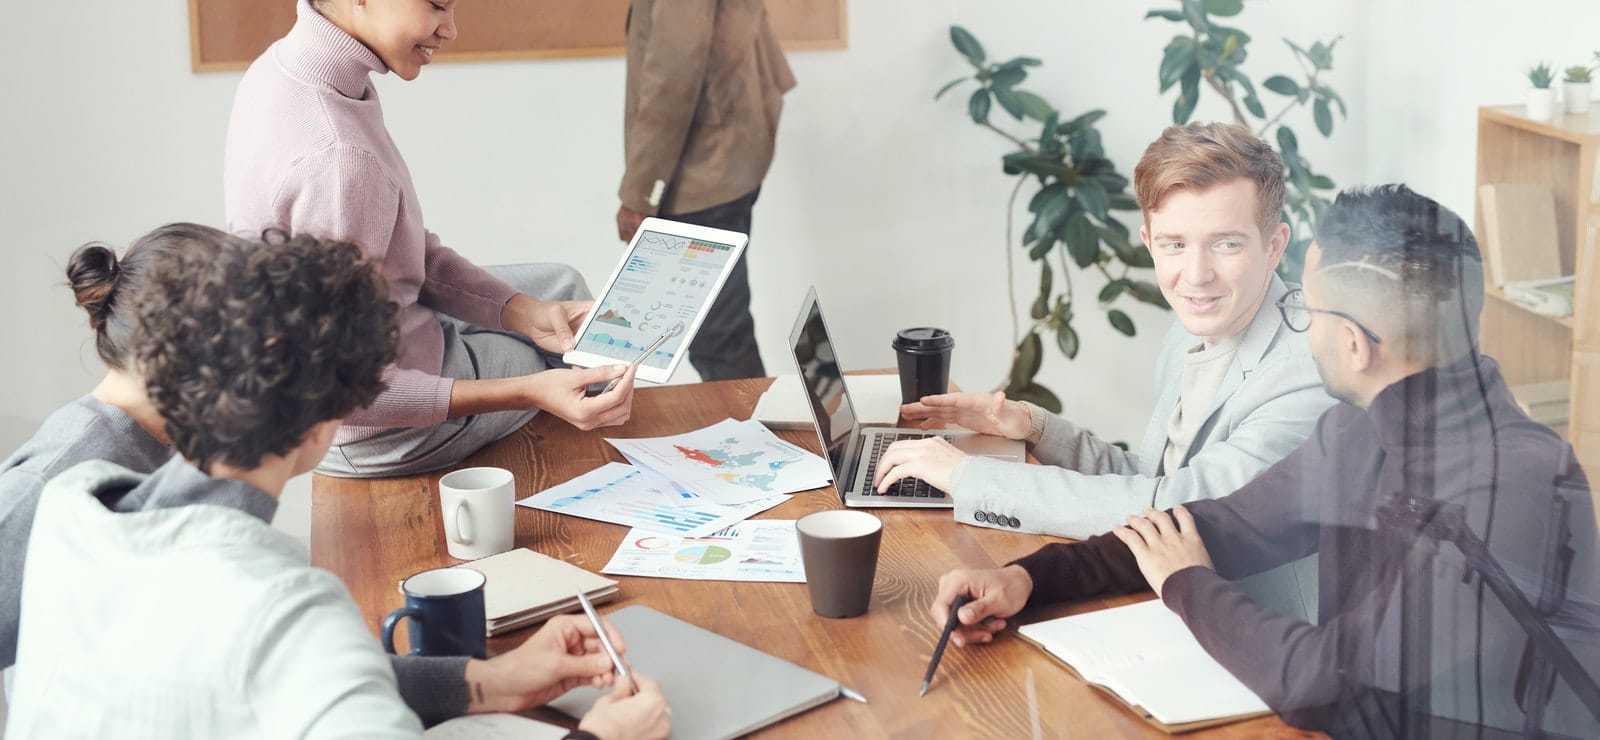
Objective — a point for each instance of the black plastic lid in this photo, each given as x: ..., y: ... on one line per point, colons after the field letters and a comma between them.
x: 923, y: 339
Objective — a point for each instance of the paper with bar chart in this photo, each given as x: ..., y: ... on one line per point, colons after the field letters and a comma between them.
x: 757, y: 550
x: 665, y: 280
x: 730, y: 462
x: 619, y: 493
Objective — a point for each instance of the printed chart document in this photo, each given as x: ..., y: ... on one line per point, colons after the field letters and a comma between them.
x: 619, y: 493
x: 730, y: 462
x: 494, y: 727
x: 760, y: 550
x: 1145, y: 655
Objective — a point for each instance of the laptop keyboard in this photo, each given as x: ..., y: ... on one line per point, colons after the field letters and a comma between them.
x: 905, y: 487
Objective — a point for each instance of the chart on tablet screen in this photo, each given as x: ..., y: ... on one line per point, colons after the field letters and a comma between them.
x: 664, y: 282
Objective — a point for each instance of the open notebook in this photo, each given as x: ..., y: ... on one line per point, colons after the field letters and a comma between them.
x: 1144, y: 655
x: 523, y: 587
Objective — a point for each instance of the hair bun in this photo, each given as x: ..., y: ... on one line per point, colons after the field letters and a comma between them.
x: 92, y: 274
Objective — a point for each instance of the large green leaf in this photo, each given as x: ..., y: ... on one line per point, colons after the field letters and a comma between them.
x: 1323, y: 116
x: 1282, y: 85
x: 967, y: 45
x: 1067, y: 341
x: 978, y: 105
x: 1178, y: 59
x: 1188, y: 97
x: 1053, y: 190
x: 1083, y: 241
x: 1054, y: 209
x: 1086, y: 145
x: 1038, y: 164
x: 1147, y: 292
x: 1195, y: 15
x: 1029, y: 356
x: 1288, y: 143
x: 1042, y: 248
x: 1037, y: 395
x: 1322, y: 182
x: 1113, y: 289
x: 1322, y: 55
x: 1007, y: 77
x: 1086, y: 120
x: 1008, y: 100
x: 1093, y: 197
x: 1224, y: 8
x: 1041, y: 304
x: 1034, y: 106
x: 1120, y: 321
x: 1019, y: 62
x: 1171, y: 15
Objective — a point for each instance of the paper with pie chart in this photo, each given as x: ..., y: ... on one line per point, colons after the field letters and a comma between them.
x: 756, y: 550
x: 730, y: 462
x: 633, y: 497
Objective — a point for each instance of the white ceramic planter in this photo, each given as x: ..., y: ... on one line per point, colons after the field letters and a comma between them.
x: 1541, y: 104
x: 1576, y: 95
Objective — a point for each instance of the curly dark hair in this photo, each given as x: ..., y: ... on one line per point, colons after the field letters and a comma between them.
x: 247, y: 344
x: 104, y: 286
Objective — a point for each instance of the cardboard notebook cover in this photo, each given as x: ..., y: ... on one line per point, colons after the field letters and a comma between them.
x: 523, y: 587
x: 1136, y: 617
x: 717, y: 687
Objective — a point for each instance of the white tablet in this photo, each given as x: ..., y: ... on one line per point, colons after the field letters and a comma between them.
x: 665, y: 282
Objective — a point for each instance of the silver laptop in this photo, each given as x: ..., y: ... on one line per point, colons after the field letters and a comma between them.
x: 853, y: 449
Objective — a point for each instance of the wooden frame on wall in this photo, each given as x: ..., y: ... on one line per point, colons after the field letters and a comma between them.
x: 226, y: 35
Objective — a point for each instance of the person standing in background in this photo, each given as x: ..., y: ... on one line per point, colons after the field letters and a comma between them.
x: 705, y: 88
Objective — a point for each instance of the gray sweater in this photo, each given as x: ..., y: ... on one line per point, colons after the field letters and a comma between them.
x: 89, y: 429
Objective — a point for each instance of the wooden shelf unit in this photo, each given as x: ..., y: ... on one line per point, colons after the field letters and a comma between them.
x: 1531, y: 348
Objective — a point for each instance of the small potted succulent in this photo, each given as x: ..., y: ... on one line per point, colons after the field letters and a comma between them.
x: 1575, y: 88
x: 1541, y: 99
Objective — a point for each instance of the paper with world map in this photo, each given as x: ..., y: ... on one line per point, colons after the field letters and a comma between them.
x: 730, y: 462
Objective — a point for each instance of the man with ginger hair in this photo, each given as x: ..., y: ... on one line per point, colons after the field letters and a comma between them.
x: 1236, y: 390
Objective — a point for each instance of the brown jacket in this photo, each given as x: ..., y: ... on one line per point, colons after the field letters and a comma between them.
x: 705, y: 87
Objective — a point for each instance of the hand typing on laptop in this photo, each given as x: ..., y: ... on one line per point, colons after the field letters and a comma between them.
x: 933, y: 460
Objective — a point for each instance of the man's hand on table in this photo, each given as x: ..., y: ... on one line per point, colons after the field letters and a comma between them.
x: 564, y: 654
x: 996, y: 595
x: 1164, y: 544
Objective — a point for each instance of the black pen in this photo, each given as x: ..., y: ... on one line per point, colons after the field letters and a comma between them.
x: 944, y: 639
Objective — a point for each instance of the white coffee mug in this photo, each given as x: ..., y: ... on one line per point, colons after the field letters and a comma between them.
x: 479, y: 506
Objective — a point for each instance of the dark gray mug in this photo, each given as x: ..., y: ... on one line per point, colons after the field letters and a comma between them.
x: 445, y: 606
x: 923, y: 355
x: 840, y: 550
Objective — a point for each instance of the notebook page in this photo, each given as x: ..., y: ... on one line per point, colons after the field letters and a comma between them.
x: 1146, y: 654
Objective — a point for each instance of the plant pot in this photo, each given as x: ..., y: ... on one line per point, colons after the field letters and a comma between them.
x: 1541, y: 104
x: 1576, y: 95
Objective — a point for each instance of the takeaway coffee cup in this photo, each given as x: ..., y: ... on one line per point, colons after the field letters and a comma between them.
x: 924, y: 358
x: 445, y: 606
x: 839, y: 548
x: 479, y: 507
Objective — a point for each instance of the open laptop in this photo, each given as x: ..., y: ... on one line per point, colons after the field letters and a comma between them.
x: 853, y: 449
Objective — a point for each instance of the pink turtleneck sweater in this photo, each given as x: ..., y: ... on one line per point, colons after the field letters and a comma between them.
x: 307, y: 152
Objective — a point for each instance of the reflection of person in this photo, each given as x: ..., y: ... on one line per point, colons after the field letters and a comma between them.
x: 307, y: 152
x: 118, y: 423
x: 1236, y: 391
x: 1393, y: 288
x: 705, y: 86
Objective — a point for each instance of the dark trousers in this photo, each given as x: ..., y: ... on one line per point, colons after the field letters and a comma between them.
x: 725, y: 346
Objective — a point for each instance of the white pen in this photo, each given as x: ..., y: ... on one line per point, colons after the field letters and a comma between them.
x: 648, y: 350
x: 605, y: 642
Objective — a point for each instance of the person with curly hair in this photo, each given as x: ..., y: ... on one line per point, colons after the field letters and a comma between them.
x: 250, y: 351
x: 308, y: 152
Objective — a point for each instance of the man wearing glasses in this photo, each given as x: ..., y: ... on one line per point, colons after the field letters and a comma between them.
x: 1393, y: 289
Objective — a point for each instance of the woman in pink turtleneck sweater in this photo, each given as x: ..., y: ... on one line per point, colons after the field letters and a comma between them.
x: 307, y: 152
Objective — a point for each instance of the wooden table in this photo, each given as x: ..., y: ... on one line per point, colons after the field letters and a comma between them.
x: 372, y: 533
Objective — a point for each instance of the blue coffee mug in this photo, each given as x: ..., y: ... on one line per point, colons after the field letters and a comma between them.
x: 445, y: 606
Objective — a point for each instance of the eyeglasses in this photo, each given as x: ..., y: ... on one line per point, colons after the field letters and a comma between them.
x: 1297, y: 315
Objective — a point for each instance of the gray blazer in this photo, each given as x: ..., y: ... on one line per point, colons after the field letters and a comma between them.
x: 1267, y: 405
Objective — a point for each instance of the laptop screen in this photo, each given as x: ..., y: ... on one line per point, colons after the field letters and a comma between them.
x: 824, y: 382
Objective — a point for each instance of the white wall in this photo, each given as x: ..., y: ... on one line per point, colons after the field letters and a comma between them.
x: 890, y: 203
x: 1434, y: 62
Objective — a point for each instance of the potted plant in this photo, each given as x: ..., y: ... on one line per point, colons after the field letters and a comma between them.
x: 1541, y: 99
x: 1575, y: 88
